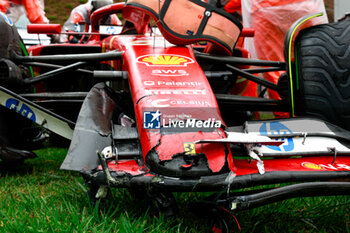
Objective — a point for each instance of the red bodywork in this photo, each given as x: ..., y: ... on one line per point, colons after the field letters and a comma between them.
x: 167, y: 85
x: 168, y: 78
x: 154, y: 85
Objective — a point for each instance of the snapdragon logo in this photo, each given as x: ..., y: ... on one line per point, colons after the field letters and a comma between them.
x: 179, y: 122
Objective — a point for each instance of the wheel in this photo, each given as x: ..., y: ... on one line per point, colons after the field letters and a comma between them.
x: 19, y: 132
x: 323, y: 79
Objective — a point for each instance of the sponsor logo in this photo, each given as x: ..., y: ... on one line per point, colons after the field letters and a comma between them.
x: 328, y: 167
x: 277, y: 128
x: 112, y: 30
x: 7, y: 19
x: 190, y: 102
x: 161, y: 103
x: 165, y: 60
x: 172, y: 83
x: 151, y: 120
x: 21, y: 108
x: 170, y: 73
x: 192, y: 123
x: 140, y: 42
x: 189, y: 148
x: 175, y: 92
x: 311, y: 166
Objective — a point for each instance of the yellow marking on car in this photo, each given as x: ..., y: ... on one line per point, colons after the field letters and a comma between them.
x: 189, y: 148
x: 311, y: 166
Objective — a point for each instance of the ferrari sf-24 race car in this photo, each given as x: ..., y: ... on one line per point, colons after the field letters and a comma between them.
x: 155, y: 113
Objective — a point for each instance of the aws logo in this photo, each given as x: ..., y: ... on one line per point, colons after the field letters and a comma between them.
x: 277, y: 128
x: 165, y: 60
x: 21, y: 108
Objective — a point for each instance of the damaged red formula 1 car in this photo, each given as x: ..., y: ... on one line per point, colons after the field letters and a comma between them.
x: 159, y: 117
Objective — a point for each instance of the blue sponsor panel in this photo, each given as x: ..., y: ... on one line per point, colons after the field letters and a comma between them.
x: 151, y: 120
x: 112, y: 30
x: 21, y: 108
x: 277, y: 128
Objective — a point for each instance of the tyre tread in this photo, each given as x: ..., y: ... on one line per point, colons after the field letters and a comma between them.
x: 324, y: 68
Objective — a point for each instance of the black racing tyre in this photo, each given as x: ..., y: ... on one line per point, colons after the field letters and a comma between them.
x: 323, y: 61
x: 11, y: 125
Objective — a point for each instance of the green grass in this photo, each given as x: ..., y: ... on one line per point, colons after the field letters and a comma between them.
x: 51, y: 17
x: 38, y: 197
x: 69, y: 6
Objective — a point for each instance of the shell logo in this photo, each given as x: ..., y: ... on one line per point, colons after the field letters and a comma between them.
x: 311, y: 166
x: 165, y: 60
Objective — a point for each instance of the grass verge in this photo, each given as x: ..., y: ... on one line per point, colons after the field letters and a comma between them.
x: 38, y: 197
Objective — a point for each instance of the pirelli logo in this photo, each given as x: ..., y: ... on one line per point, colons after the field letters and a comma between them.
x: 165, y: 60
